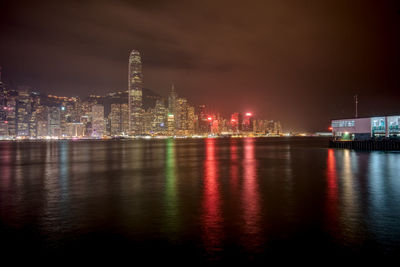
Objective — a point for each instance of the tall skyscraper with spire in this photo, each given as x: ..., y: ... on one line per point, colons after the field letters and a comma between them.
x: 135, y: 85
x: 3, y: 113
x: 172, y: 98
x: 2, y: 93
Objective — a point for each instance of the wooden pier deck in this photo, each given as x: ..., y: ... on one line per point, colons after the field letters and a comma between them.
x: 384, y: 144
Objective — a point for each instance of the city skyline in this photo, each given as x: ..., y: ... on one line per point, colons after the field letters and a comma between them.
x: 290, y: 62
x: 28, y: 114
x: 202, y: 132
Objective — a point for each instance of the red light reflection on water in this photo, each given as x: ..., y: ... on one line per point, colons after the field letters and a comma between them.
x: 332, y: 188
x: 250, y: 198
x: 211, y: 217
x: 234, y: 164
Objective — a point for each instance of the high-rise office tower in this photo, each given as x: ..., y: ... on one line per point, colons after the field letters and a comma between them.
x: 98, y: 123
x: 236, y: 122
x: 277, y: 128
x: 172, y: 97
x: 41, y: 118
x: 135, y: 86
x: 118, y: 119
x: 23, y: 111
x: 2, y: 100
x: 160, y: 117
x: 190, y: 120
x: 115, y: 119
x: 3, y: 110
x: 124, y: 119
x: 54, y: 121
x: 248, y: 122
x: 203, y: 124
x: 181, y: 115
x: 148, y: 121
x: 11, y: 114
x: 172, y: 116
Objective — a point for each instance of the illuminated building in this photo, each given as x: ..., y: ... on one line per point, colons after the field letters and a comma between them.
x: 236, y: 122
x: 248, y: 122
x: 42, y: 128
x: 41, y: 118
x: 3, y: 129
x: 203, y: 125
x: 67, y: 115
x: 2, y: 101
x: 39, y: 114
x: 35, y: 105
x: 277, y: 128
x: 184, y: 117
x: 181, y: 116
x: 393, y: 126
x: 148, y: 121
x: 11, y: 113
x: 23, y: 111
x: 171, y: 124
x: 190, y: 120
x: 119, y: 119
x: 172, y: 98
x: 124, y: 128
x: 29, y: 114
x: 115, y: 119
x: 213, y: 123
x: 260, y: 127
x: 75, y: 129
x: 54, y: 123
x: 224, y: 125
x: 3, y: 110
x: 215, y: 126
x: 98, y: 123
x: 273, y: 127
x: 365, y: 128
x: 135, y: 86
x: 160, y: 118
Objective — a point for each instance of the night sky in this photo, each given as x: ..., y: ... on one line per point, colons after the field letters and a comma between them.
x: 300, y: 62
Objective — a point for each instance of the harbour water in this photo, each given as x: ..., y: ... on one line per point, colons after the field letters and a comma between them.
x: 200, y: 199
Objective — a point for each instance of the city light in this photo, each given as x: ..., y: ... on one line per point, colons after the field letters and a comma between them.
x: 120, y: 115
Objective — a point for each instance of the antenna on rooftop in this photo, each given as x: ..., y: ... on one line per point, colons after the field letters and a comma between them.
x: 356, y: 102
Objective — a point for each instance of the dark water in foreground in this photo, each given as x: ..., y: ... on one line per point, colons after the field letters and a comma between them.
x: 205, y: 199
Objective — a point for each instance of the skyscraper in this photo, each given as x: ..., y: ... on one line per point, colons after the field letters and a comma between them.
x: 236, y: 122
x: 160, y: 117
x: 24, y: 108
x: 54, y: 121
x: 203, y: 123
x: 3, y: 110
x: 2, y: 100
x: 135, y: 86
x: 248, y: 122
x: 172, y: 97
x: 118, y: 119
x: 98, y: 123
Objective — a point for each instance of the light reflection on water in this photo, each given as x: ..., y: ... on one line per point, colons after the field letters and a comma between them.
x: 212, y: 198
x: 212, y: 221
x: 250, y: 197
